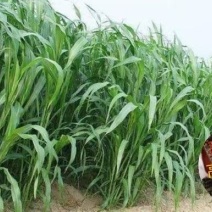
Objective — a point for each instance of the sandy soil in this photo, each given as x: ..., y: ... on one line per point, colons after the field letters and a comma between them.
x: 75, y: 201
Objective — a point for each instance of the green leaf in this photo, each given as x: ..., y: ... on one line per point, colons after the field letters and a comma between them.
x: 75, y: 50
x: 181, y: 95
x: 129, y: 107
x: 129, y: 60
x: 77, y: 12
x: 114, y: 100
x: 15, y: 191
x: 152, y: 110
x: 120, y: 155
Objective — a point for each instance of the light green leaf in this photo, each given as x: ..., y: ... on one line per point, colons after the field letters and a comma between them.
x: 120, y: 155
x: 129, y: 107
x: 152, y: 109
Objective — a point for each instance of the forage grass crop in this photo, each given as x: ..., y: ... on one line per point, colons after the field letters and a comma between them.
x: 153, y: 105
x: 105, y: 106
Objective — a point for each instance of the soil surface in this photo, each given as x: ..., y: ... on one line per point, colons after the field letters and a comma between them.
x: 74, y: 200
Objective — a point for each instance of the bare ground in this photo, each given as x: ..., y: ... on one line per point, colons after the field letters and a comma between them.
x: 75, y: 201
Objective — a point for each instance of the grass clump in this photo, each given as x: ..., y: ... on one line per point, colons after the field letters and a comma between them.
x: 108, y: 106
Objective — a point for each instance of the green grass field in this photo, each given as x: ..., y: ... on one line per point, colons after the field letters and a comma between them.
x: 105, y: 107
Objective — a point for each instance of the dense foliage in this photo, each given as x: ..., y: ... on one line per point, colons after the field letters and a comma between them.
x: 108, y: 107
